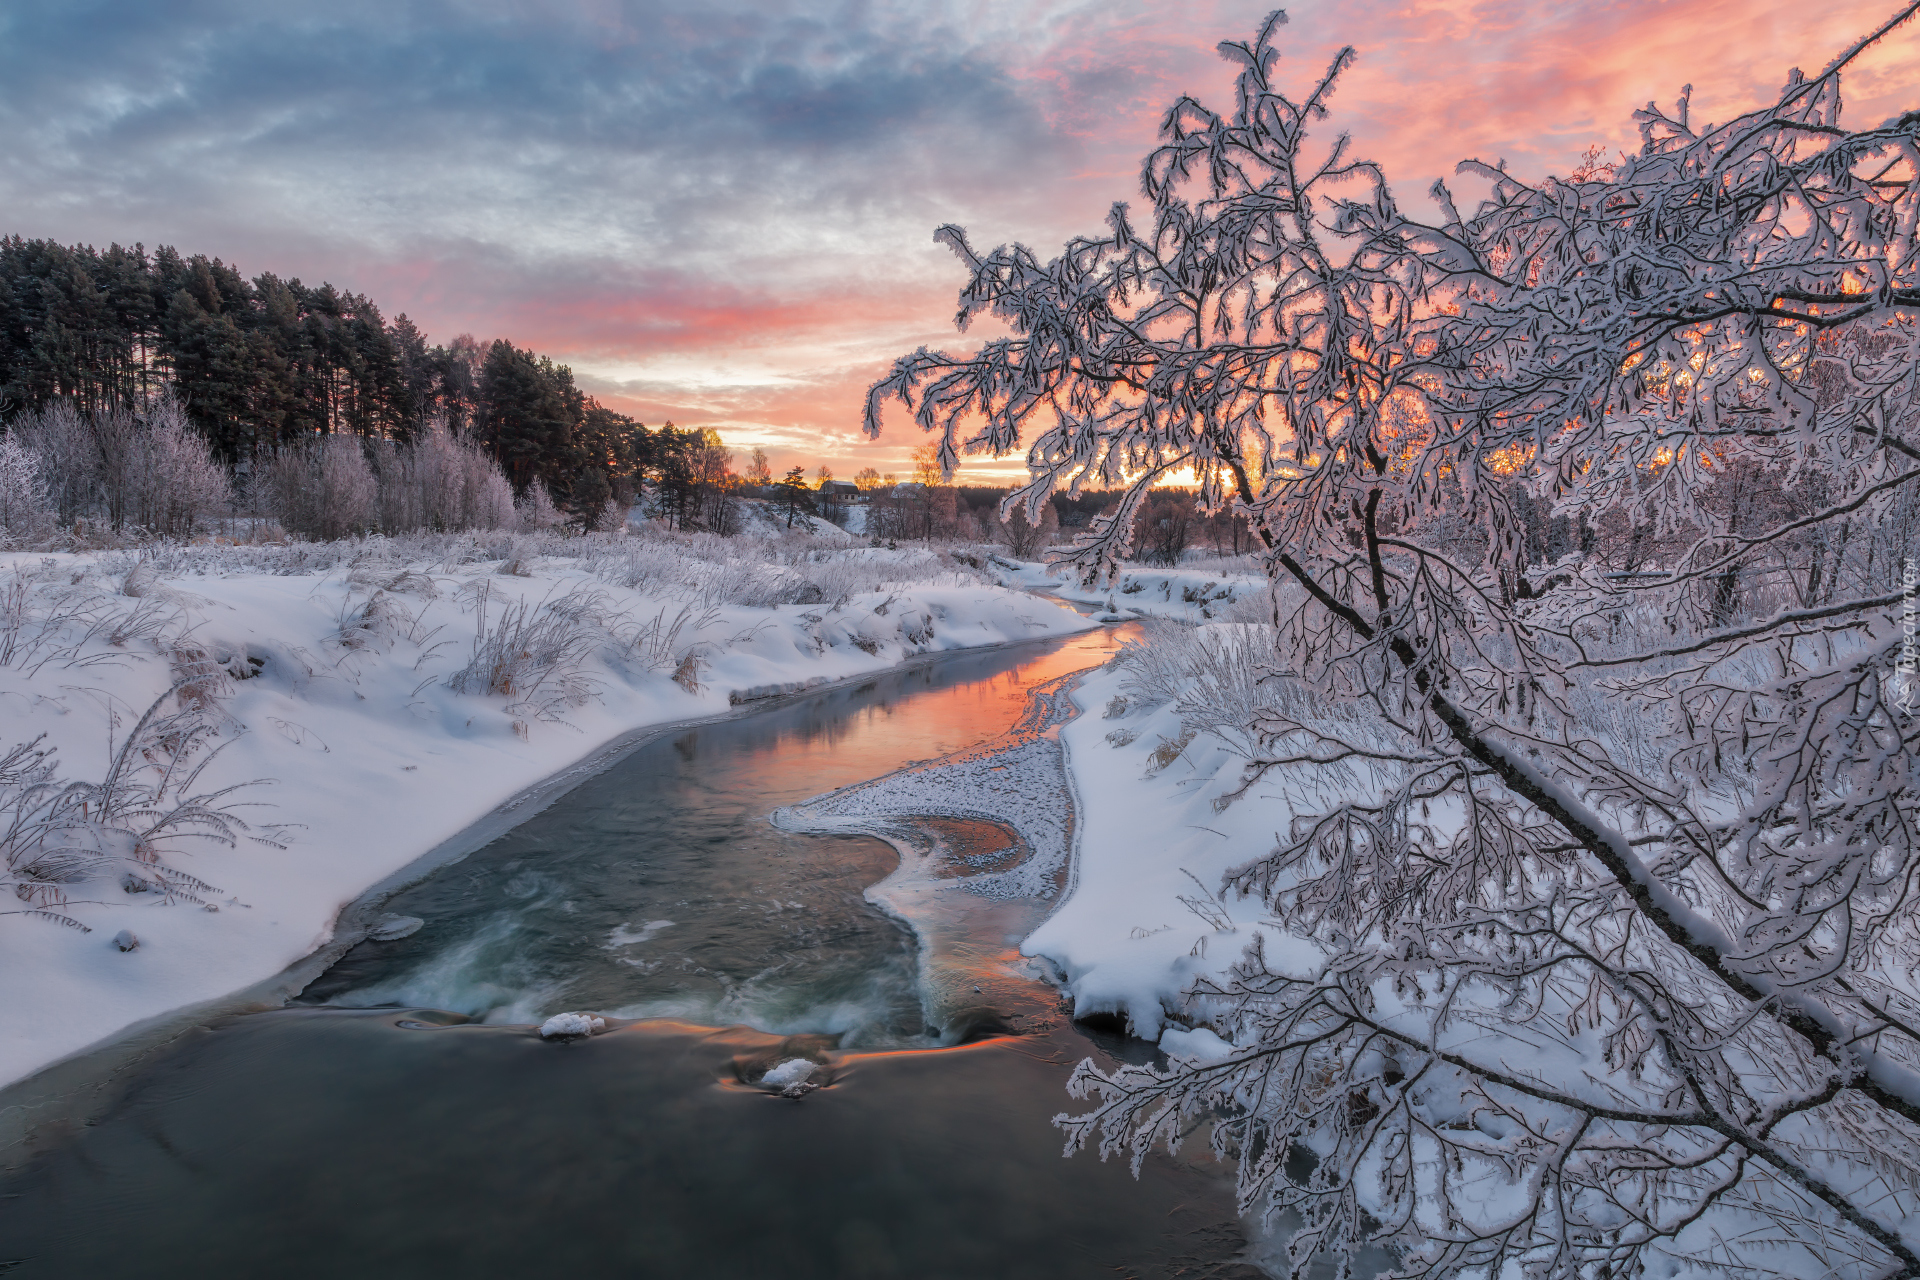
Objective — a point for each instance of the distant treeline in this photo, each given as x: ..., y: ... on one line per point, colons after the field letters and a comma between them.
x: 264, y: 363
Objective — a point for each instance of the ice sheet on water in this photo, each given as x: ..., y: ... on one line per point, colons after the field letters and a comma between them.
x: 1018, y: 780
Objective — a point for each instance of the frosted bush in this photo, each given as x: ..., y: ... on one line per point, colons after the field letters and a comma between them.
x: 57, y: 836
x: 324, y: 489
x: 536, y: 509
x: 26, y: 510
x: 172, y: 481
x: 438, y: 481
x: 149, y: 471
x: 68, y: 458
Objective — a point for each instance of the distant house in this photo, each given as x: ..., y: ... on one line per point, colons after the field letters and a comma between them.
x: 841, y: 490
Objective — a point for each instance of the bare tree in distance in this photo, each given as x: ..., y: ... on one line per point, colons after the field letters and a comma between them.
x: 1582, y: 1010
x: 931, y: 465
x: 1027, y: 538
x: 759, y: 469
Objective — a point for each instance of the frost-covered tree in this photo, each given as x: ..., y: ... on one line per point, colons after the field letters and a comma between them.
x: 26, y: 510
x: 324, y: 488
x: 1578, y: 1005
x: 149, y: 470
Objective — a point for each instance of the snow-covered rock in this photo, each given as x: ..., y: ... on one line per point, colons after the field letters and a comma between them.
x: 791, y: 1072
x: 572, y: 1026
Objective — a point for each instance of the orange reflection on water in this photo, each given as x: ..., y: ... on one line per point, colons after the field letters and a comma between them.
x: 924, y: 723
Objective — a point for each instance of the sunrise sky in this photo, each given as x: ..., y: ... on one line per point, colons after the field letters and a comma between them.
x: 722, y: 214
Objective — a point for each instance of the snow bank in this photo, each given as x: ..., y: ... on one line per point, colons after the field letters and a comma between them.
x: 358, y: 681
x: 1187, y: 595
x: 1142, y: 918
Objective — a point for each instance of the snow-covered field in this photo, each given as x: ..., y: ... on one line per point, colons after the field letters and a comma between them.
x: 385, y: 695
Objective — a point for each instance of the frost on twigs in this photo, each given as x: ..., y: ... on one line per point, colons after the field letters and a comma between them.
x: 1595, y: 507
x: 534, y: 652
x: 63, y: 841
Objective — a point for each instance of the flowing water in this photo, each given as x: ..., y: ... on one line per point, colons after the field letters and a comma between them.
x: 403, y: 1119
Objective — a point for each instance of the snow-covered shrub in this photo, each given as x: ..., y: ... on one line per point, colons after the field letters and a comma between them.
x: 61, y: 838
x: 441, y: 482
x: 536, y: 510
x: 323, y: 489
x: 534, y: 653
x: 26, y: 511
x: 68, y: 457
x: 148, y: 470
x: 112, y: 461
x: 171, y: 481
x: 374, y: 612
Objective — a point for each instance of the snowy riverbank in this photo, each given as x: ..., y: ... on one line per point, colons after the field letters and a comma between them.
x: 1144, y: 917
x: 358, y: 684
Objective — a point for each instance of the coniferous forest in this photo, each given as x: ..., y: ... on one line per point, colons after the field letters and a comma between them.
x: 262, y: 363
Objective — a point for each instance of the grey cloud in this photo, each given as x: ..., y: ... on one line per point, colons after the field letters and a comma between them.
x: 381, y: 119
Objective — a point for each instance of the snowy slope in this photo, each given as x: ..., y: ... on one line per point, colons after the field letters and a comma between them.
x: 373, y: 757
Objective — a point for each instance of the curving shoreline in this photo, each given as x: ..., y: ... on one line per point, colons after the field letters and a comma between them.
x: 79, y: 1085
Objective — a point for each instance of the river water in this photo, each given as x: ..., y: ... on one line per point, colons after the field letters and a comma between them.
x: 404, y: 1120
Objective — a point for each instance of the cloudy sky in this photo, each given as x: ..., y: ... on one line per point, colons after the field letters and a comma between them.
x: 721, y: 213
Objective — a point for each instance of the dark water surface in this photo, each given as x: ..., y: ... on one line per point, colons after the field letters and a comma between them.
x: 407, y: 1122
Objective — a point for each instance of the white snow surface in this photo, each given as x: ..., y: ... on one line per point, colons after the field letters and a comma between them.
x: 1143, y: 916
x: 373, y: 759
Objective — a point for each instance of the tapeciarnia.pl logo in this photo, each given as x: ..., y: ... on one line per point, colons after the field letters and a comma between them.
x: 1908, y: 664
